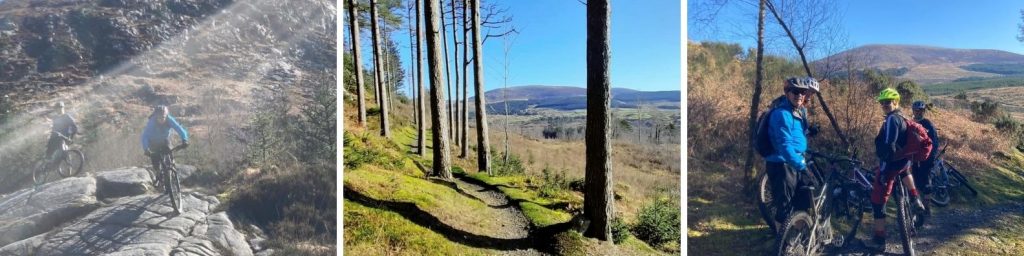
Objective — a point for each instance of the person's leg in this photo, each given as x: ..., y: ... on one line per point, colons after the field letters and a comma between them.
x: 923, y: 180
x: 781, y: 193
x: 882, y: 187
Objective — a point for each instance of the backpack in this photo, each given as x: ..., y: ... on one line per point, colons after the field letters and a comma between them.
x: 918, y: 145
x: 762, y: 141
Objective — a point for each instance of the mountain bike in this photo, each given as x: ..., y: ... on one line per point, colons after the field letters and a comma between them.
x: 167, y: 176
x: 945, y: 177
x: 67, y: 161
x: 836, y: 208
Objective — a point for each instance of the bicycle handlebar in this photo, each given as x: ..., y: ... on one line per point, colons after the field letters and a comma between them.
x: 835, y: 159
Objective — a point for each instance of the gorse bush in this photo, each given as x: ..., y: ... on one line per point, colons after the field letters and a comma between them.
x: 511, y: 166
x: 1011, y: 127
x: 985, y: 110
x: 658, y: 222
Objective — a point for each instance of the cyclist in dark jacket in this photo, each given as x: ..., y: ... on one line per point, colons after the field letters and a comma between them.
x: 787, y: 123
x: 922, y: 171
x: 156, y: 137
x: 888, y: 142
x: 62, y: 130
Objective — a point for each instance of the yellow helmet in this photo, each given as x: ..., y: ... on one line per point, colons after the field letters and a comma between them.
x: 888, y: 94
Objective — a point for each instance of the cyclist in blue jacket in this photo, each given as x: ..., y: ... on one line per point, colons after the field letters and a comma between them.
x: 156, y: 137
x: 787, y: 168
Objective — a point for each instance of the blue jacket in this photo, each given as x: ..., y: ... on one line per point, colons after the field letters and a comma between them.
x: 157, y: 133
x: 786, y: 128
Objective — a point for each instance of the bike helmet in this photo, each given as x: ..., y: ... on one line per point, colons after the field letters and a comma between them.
x: 802, y: 83
x: 918, y: 105
x: 888, y: 94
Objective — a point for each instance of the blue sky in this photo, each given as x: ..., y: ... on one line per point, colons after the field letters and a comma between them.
x: 551, y: 48
x: 945, y: 23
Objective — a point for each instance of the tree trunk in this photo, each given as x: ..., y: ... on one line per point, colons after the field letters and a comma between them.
x: 412, y: 66
x: 483, y: 142
x: 807, y: 68
x: 419, y: 81
x: 354, y: 25
x: 755, y: 100
x: 598, y: 205
x: 455, y: 60
x: 447, y: 72
x: 382, y: 96
x: 442, y: 164
x: 465, y: 80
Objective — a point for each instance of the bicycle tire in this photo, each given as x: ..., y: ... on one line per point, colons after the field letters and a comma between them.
x: 764, y: 203
x: 174, y: 189
x: 903, y: 221
x: 847, y: 212
x: 803, y: 243
x: 39, y: 175
x: 963, y: 181
x: 940, y: 188
x: 75, y: 160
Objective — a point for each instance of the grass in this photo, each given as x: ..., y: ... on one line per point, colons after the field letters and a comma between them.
x: 370, y: 231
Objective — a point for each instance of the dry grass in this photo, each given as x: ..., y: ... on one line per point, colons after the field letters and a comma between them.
x: 722, y: 220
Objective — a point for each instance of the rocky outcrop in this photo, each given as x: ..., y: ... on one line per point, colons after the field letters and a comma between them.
x: 114, y: 213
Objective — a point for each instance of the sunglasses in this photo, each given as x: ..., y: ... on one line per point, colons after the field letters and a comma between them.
x: 885, y: 102
x: 797, y: 91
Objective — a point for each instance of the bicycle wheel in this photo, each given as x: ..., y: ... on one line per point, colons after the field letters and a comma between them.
x: 848, y: 212
x: 903, y: 222
x: 765, y: 203
x: 796, y: 235
x: 173, y: 189
x: 72, y: 163
x: 41, y: 174
x: 940, y: 188
x: 963, y: 181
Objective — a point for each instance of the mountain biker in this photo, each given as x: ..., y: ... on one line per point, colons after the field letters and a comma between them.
x: 922, y: 170
x: 890, y: 138
x: 157, y: 135
x: 62, y: 130
x: 787, y: 128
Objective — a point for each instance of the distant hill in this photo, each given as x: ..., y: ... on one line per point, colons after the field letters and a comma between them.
x: 522, y: 98
x: 928, y: 64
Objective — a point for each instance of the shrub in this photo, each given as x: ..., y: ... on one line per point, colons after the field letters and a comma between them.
x: 503, y: 167
x: 985, y: 110
x: 1010, y: 126
x: 658, y: 222
x: 620, y: 231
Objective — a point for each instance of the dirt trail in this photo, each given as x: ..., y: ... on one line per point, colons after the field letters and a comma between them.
x: 514, y: 224
x: 966, y: 229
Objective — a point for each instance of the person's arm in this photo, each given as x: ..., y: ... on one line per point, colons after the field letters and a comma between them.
x: 73, y: 129
x: 177, y: 128
x: 145, y: 134
x: 934, y: 135
x: 890, y: 133
x: 783, y: 140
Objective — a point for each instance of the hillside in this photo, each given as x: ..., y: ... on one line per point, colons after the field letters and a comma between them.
x: 723, y: 220
x: 217, y: 65
x: 521, y: 99
x: 925, y: 64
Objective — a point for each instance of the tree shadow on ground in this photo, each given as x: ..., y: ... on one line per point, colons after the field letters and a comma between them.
x: 413, y: 213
